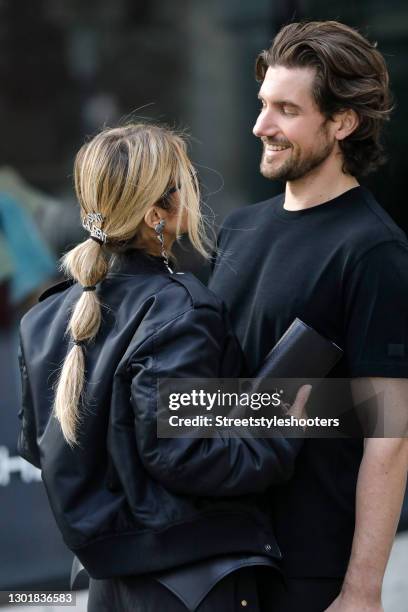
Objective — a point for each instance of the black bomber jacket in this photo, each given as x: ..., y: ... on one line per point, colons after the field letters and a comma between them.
x: 125, y: 501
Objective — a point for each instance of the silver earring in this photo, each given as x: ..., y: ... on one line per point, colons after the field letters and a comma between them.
x: 159, y: 231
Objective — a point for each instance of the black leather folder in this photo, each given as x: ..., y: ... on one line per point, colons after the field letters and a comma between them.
x: 300, y: 353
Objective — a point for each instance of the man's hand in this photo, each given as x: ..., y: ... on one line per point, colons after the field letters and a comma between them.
x: 345, y: 603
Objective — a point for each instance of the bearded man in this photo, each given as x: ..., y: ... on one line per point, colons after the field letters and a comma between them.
x: 326, y: 252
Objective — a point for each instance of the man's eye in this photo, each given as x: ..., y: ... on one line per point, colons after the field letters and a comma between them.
x: 285, y: 111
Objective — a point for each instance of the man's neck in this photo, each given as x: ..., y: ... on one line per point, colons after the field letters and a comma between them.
x: 314, y: 190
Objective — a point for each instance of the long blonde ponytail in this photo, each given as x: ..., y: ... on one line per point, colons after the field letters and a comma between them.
x: 87, y: 264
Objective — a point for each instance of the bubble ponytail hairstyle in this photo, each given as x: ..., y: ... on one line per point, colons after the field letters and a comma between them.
x: 120, y: 174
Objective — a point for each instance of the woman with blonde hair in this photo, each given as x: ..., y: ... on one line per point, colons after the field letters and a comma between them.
x: 159, y: 523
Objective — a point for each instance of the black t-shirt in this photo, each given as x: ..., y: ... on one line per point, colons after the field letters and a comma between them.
x: 342, y: 267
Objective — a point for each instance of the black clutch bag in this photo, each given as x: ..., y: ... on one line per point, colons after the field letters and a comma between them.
x: 301, y: 353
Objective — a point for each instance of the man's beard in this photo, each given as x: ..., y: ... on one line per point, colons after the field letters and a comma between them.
x: 295, y: 168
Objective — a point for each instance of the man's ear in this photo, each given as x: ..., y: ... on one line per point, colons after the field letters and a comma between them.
x: 153, y: 217
x: 347, y: 121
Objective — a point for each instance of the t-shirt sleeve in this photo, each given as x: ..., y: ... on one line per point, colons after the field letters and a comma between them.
x: 376, y: 313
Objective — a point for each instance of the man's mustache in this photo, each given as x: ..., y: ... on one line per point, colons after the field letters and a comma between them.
x: 267, y: 141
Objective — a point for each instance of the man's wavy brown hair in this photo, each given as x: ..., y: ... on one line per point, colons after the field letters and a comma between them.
x: 350, y: 74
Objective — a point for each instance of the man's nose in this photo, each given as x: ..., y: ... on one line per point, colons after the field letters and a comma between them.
x: 265, y: 126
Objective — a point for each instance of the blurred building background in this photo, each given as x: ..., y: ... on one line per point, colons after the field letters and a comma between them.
x: 67, y: 68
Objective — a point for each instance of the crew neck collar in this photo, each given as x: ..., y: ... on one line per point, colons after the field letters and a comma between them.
x: 324, y: 207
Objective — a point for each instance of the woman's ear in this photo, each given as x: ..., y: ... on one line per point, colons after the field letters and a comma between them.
x: 153, y: 216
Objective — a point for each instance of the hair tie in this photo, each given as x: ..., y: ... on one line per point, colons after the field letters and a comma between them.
x: 79, y: 342
x: 98, y: 240
x: 88, y: 287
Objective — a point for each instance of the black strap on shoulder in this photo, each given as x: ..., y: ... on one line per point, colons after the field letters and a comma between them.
x: 61, y: 286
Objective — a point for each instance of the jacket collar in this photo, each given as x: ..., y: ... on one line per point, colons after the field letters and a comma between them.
x: 135, y: 261
x: 130, y: 263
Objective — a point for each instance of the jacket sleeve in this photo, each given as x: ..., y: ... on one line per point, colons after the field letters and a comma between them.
x: 193, y: 346
x: 27, y: 439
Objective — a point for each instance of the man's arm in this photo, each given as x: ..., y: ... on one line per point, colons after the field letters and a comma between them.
x: 380, y: 490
